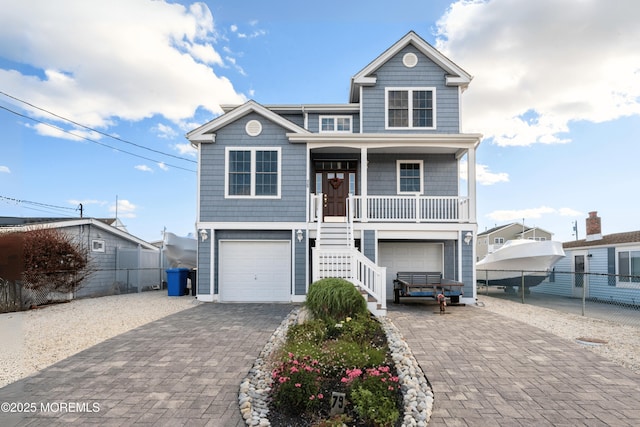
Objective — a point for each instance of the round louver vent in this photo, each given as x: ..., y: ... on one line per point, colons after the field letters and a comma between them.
x: 253, y: 128
x: 410, y: 60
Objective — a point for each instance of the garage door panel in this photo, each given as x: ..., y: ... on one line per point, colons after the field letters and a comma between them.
x: 255, y: 271
x: 408, y: 256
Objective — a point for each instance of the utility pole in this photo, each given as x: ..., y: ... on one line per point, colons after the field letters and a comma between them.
x: 575, y: 229
x: 81, y: 209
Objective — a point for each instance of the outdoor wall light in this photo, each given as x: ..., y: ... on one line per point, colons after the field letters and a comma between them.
x: 203, y: 234
x: 299, y: 235
x: 468, y: 237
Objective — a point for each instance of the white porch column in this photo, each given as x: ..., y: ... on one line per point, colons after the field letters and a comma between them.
x: 364, y: 164
x: 471, y: 183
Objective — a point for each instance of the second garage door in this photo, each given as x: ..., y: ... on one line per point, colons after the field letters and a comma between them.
x: 255, y: 271
x: 408, y: 256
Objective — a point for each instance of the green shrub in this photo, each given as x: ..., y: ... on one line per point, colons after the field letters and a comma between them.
x: 296, y: 385
x: 379, y: 410
x: 334, y: 299
x: 374, y: 393
x: 362, y: 328
x: 341, y: 355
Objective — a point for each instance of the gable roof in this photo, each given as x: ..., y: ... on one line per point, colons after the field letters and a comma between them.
x: 608, y: 240
x: 456, y: 76
x: 206, y: 132
x: 494, y: 229
x: 12, y: 224
x: 504, y: 227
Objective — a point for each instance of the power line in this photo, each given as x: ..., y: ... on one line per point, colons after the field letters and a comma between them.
x: 37, y: 206
x: 92, y: 140
x: 95, y: 130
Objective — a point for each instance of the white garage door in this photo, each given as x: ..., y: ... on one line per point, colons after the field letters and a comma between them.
x: 408, y: 256
x: 255, y: 271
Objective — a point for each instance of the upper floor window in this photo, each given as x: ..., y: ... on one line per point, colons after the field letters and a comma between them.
x: 629, y: 266
x: 498, y: 240
x: 410, y: 108
x: 410, y: 176
x: 335, y: 123
x: 252, y: 172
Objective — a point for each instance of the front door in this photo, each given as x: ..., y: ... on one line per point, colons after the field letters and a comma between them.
x: 335, y: 184
x: 580, y: 281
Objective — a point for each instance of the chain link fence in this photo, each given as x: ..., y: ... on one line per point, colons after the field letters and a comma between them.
x: 610, y: 297
x: 17, y: 296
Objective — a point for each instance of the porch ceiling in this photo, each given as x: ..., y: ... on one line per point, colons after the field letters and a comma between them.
x: 387, y: 150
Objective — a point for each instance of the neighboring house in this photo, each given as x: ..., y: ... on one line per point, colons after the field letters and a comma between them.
x: 288, y: 194
x: 611, y: 264
x: 121, y: 262
x: 490, y: 240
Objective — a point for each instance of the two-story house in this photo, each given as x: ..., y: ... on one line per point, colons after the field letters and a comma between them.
x: 288, y: 194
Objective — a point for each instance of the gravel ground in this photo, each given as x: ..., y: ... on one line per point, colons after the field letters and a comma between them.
x: 622, y: 341
x: 32, y: 340
x: 35, y: 339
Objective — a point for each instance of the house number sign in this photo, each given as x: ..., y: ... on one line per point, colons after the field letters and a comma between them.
x: 337, y: 403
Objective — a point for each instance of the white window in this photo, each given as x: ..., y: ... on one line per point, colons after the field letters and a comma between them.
x: 410, y: 108
x: 97, y: 245
x: 498, y: 240
x: 335, y: 123
x: 409, y: 177
x: 629, y: 266
x: 252, y: 172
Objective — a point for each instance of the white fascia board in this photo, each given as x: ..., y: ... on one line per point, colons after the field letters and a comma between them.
x: 394, y: 138
x: 241, y: 111
x: 249, y: 225
x: 84, y: 221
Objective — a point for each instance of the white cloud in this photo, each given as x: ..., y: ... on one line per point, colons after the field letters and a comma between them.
x: 143, y: 168
x: 163, y: 166
x: 186, y: 149
x: 540, y: 65
x: 126, y: 209
x: 570, y: 212
x: 512, y: 215
x: 96, y: 61
x: 164, y: 131
x: 5, y: 169
x: 483, y: 175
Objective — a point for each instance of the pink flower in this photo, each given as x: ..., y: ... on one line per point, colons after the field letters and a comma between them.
x: 312, y: 397
x: 391, y: 387
x: 294, y: 369
x: 283, y: 380
x: 298, y: 385
x: 320, y: 395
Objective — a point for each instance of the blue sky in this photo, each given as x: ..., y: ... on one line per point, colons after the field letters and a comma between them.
x: 556, y: 93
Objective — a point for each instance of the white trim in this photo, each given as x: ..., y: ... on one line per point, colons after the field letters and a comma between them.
x: 101, y: 245
x: 421, y: 164
x: 410, y: 91
x: 252, y: 172
x: 335, y: 123
x: 629, y: 284
x: 206, y: 132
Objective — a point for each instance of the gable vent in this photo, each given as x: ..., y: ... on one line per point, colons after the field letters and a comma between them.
x: 410, y: 60
x: 253, y: 128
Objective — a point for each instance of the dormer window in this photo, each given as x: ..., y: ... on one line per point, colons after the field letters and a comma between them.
x: 410, y: 108
x: 335, y: 123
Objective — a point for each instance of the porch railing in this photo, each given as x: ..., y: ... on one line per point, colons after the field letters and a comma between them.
x: 352, y: 265
x: 400, y: 208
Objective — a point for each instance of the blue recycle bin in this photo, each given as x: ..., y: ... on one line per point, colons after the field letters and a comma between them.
x: 177, y: 281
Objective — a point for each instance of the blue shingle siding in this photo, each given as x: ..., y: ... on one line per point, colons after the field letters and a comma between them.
x: 369, y: 244
x: 468, y: 265
x: 425, y: 74
x: 440, y: 174
x: 291, y: 206
x: 203, y: 280
x: 300, y: 279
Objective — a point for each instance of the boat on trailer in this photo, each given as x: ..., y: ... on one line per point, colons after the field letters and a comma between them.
x: 518, y: 260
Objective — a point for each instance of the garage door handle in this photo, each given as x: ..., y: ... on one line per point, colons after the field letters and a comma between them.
x: 255, y: 277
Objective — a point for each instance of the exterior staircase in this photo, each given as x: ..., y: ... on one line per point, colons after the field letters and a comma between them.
x: 335, y: 255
